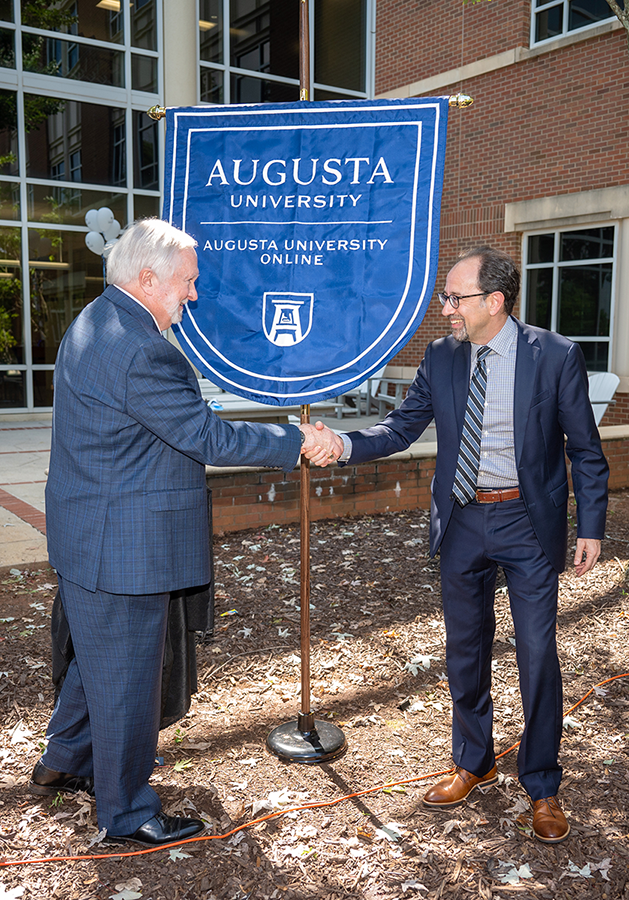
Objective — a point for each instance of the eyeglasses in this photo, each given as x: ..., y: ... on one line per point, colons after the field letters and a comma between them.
x: 454, y: 301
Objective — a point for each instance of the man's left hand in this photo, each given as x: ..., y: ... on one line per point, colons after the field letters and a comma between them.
x: 587, y: 552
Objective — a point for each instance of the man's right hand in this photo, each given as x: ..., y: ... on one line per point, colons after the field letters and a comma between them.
x: 321, y: 446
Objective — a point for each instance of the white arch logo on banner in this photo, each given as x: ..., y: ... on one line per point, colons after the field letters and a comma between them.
x: 318, y: 235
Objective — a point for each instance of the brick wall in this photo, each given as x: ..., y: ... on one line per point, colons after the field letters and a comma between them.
x: 254, y: 498
x: 535, y: 129
x: 618, y: 413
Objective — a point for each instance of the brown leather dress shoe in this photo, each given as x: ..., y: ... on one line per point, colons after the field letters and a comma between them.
x: 549, y: 823
x: 453, y: 790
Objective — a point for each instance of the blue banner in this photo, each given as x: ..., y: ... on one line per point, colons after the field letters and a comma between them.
x: 318, y: 233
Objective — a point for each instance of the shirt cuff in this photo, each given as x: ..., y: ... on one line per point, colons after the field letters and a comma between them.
x: 347, y: 448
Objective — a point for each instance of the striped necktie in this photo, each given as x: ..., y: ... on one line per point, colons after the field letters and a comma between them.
x: 466, y: 476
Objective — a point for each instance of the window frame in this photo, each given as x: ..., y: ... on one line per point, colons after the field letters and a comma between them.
x: 565, y: 32
x: 23, y: 82
x: 227, y: 70
x: 556, y: 265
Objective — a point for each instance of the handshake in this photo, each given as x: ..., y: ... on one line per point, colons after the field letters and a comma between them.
x: 321, y: 445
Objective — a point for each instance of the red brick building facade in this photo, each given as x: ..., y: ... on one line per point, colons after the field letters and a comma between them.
x: 543, y: 149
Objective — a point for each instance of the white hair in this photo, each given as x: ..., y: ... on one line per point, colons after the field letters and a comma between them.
x: 147, y: 244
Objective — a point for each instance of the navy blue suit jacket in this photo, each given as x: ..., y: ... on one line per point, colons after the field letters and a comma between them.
x: 550, y: 401
x: 126, y: 502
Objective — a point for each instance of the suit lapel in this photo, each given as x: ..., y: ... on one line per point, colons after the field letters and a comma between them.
x: 527, y: 359
x: 461, y: 381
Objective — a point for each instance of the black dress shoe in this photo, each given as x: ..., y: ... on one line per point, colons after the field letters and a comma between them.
x: 161, y: 829
x: 47, y: 783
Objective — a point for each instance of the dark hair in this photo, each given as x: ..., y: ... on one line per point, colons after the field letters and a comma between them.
x: 497, y: 272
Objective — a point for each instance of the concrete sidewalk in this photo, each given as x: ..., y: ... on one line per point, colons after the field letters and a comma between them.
x: 24, y: 458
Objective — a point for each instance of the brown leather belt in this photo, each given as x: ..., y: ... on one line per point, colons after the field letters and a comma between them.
x: 496, y: 495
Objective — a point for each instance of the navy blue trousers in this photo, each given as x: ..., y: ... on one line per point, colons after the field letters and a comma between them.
x: 106, y: 719
x: 480, y: 538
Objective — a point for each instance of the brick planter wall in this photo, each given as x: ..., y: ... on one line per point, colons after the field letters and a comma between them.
x: 254, y: 498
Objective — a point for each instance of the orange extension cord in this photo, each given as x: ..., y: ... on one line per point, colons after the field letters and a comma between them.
x: 282, y: 812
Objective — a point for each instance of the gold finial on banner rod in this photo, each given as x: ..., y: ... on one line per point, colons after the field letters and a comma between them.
x: 461, y: 101
x: 156, y: 112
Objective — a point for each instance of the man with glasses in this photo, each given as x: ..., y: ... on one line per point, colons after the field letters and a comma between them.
x: 503, y: 395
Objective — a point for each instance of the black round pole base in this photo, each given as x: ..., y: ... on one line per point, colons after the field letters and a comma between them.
x: 307, y: 741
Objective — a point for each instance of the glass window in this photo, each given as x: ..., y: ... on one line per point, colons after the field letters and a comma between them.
x: 7, y: 48
x: 100, y: 21
x: 6, y: 11
x: 12, y: 388
x: 143, y: 25
x: 322, y: 94
x: 43, y: 387
x: 144, y: 73
x: 247, y: 89
x: 339, y: 43
x: 67, y: 205
x: 9, y: 200
x: 211, y: 86
x: 145, y: 207
x: 8, y: 133
x: 64, y: 277
x: 211, y: 30
x: 145, y: 152
x: 264, y: 36
x: 11, y: 304
x: 67, y: 59
x: 557, y: 17
x: 59, y: 129
x: 569, y: 279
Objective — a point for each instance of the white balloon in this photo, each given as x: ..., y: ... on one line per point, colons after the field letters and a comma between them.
x: 105, y: 218
x: 91, y: 219
x: 113, y: 231
x: 95, y: 242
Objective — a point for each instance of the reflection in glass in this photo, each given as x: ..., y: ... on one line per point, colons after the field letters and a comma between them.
x: 246, y: 89
x: 8, y: 133
x: 6, y: 11
x: 587, y: 12
x: 68, y: 205
x: 64, y: 277
x: 7, y: 48
x: 596, y: 355
x: 145, y: 207
x: 11, y: 305
x: 143, y: 25
x: 339, y: 44
x: 585, y: 300
x: 211, y: 86
x: 541, y: 248
x: 145, y: 152
x: 144, y: 73
x: 548, y: 24
x: 9, y: 200
x: 101, y: 21
x: 539, y: 297
x: 95, y: 132
x: 211, y: 30
x: 264, y: 36
x: 67, y: 59
x: 588, y: 243
x: 43, y: 387
x: 12, y: 389
x: 321, y: 94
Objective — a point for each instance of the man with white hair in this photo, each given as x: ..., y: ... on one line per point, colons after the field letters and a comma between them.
x: 127, y: 521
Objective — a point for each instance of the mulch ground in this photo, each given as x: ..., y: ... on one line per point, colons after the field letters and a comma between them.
x: 378, y: 671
